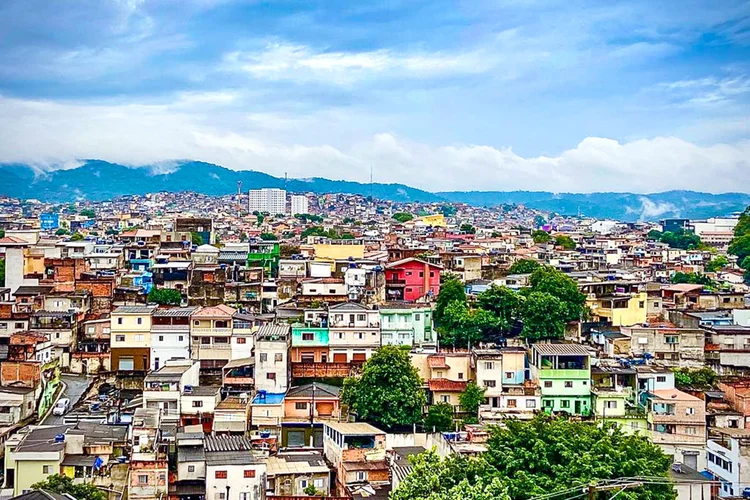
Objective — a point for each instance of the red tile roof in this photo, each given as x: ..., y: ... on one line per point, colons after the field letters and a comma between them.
x: 445, y: 385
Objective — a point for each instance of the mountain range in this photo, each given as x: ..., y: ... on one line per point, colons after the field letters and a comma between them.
x: 101, y: 180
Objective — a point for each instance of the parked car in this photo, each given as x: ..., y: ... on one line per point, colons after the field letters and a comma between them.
x: 62, y: 406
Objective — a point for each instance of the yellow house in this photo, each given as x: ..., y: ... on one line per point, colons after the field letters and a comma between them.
x: 435, y: 220
x: 621, y: 303
x: 339, y: 250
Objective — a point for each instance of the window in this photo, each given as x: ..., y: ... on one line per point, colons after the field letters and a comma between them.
x: 641, y: 304
x: 610, y: 405
x: 196, y: 323
x: 488, y: 383
x: 139, y: 321
x: 241, y: 340
x: 489, y: 365
x: 564, y: 403
x: 119, y: 338
x: 220, y: 474
x: 161, y: 338
x: 308, y: 336
x: 3, y: 326
x: 568, y: 384
x: 303, y: 483
x: 142, y: 479
x: 180, y: 338
x: 361, y: 317
x: 341, y: 335
x: 672, y: 339
x: 547, y: 403
x: 197, y: 404
x: 46, y: 469
x: 460, y: 376
x: 219, y: 496
x: 511, y: 403
x: 661, y: 378
x: 138, y: 338
x: 278, y: 357
x: 191, y: 468
x: 318, y: 483
x: 530, y: 403
x: 691, y: 430
x: 445, y: 398
x: 439, y: 374
x: 205, y: 340
x: 119, y: 321
x: 690, y: 411
x: 361, y: 475
x: 300, y: 406
x: 248, y: 473
x: 271, y: 376
x: 263, y: 357
x: 360, y: 335
x: 547, y: 384
x: 417, y: 317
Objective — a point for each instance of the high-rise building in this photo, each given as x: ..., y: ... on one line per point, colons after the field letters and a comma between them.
x: 299, y: 204
x: 271, y: 200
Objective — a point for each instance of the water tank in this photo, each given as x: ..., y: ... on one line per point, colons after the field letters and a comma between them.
x: 59, y: 438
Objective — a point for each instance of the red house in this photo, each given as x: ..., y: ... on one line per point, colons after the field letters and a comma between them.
x: 411, y: 279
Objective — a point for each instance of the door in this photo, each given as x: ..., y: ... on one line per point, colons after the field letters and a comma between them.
x: 324, y: 357
x: 295, y: 438
x: 339, y: 357
x: 156, y: 363
x: 690, y: 459
x: 578, y: 407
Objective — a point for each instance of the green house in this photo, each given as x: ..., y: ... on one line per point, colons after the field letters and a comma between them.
x: 303, y: 336
x: 563, y: 372
x: 266, y: 255
x: 402, y: 324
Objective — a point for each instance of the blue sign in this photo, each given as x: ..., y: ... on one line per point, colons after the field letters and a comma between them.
x: 49, y: 221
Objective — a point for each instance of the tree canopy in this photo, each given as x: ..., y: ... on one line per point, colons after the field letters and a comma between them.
x: 716, y: 264
x: 540, y: 236
x: 467, y: 228
x: 694, y: 278
x: 471, y: 399
x: 76, y: 237
x: 402, y: 217
x: 60, y: 483
x: 549, y: 280
x: 2, y: 272
x: 389, y: 392
x: 524, y: 266
x: 165, y: 296
x: 504, y: 303
x: 196, y: 239
x: 543, y: 317
x: 439, y: 418
x: 268, y: 237
x: 565, y: 241
x: 685, y: 240
x: 703, y: 378
x: 463, y: 326
x: 538, y: 457
x: 450, y: 290
x: 88, y: 212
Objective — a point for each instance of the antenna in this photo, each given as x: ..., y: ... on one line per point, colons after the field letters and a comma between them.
x: 239, y: 195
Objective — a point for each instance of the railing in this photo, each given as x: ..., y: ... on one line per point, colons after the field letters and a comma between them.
x: 395, y: 282
x: 564, y: 374
x: 170, y: 328
x: 211, y: 331
x: 211, y: 347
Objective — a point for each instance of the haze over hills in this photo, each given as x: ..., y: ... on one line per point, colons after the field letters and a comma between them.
x: 101, y: 180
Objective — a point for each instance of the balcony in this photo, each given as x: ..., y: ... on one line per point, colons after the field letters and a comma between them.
x: 197, y: 346
x: 170, y: 328
x: 211, y: 331
x: 564, y: 374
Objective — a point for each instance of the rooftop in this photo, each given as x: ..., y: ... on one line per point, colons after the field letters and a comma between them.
x: 134, y: 310
x: 354, y: 428
x: 561, y: 349
x: 673, y: 395
x: 174, y: 312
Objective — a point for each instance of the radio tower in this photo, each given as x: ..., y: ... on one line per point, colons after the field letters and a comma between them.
x: 239, y: 196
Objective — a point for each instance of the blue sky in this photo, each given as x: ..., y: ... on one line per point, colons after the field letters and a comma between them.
x: 573, y: 95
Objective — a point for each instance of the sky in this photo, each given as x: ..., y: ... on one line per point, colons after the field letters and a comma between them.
x: 563, y: 96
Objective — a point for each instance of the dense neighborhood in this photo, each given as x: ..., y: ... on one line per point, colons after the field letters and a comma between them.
x: 282, y: 345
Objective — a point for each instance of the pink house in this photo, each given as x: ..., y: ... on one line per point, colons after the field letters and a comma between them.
x: 412, y: 279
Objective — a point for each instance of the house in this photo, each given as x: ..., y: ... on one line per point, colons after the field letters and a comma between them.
x: 357, y: 452
x: 232, y: 415
x: 210, y: 336
x: 445, y: 374
x: 502, y: 374
x: 676, y: 421
x: 615, y: 397
x: 667, y: 343
x: 403, y: 323
x: 149, y: 462
x: 271, y: 358
x: 234, y: 471
x: 170, y: 334
x: 728, y: 460
x: 411, y: 280
x: 198, y: 404
x: 131, y: 338
x: 305, y: 406
x: 191, y: 467
x: 243, y: 331
x: 619, y: 303
x: 163, y: 388
x: 563, y: 372
x: 16, y: 404
x: 290, y: 473
x: 353, y: 332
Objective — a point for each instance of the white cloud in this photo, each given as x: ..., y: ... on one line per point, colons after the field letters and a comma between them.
x: 709, y: 91
x: 47, y: 133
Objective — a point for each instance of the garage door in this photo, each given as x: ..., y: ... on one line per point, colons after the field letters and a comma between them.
x: 359, y: 356
x: 339, y: 357
x: 126, y: 364
x: 295, y: 438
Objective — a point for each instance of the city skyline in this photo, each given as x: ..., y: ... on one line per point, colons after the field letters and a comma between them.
x: 554, y: 96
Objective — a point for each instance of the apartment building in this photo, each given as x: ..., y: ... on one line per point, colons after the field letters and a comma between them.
x: 676, y: 421
x: 170, y: 335
x: 502, y: 374
x: 163, y: 388
x: 271, y: 200
x: 356, y: 451
x: 299, y: 204
x: 354, y: 332
x: 728, y: 460
x: 130, y: 338
x: 234, y: 470
x: 563, y: 373
x: 667, y: 343
x: 402, y: 324
x: 210, y: 337
x: 271, y: 359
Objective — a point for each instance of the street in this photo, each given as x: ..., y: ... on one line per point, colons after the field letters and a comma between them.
x: 76, y: 386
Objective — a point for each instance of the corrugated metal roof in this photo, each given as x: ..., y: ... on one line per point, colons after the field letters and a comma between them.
x: 175, y: 312
x: 562, y: 349
x: 271, y: 331
x: 134, y: 310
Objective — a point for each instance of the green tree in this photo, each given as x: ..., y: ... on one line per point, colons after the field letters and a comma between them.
x: 243, y: 237
x: 703, y: 378
x: 467, y: 228
x: 310, y: 490
x: 743, y: 224
x: 540, y: 236
x: 62, y: 232
x: 694, y: 278
x: 348, y: 220
x: 450, y: 478
x: 550, y: 280
x: 2, y: 272
x: 654, y: 235
x: 62, y: 484
x: 745, y: 263
x: 565, y: 241
x: 402, y: 217
x: 2, y: 233
x: 740, y: 247
x: 543, y: 317
x: 196, y: 239
x: 448, y: 210
x: 462, y: 326
x: 717, y: 263
x: 524, y: 266
x: 746, y: 276
x: 347, y: 236
x: 439, y: 417
x: 76, y: 237
x: 389, y: 392
x: 685, y: 240
x: 88, y: 212
x: 470, y: 400
x: 165, y: 296
x: 503, y: 303
x: 268, y: 237
x: 450, y: 290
